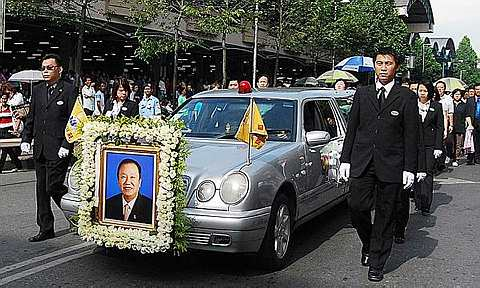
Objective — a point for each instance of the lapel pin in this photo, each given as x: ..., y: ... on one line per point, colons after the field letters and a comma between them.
x: 431, y: 109
x: 394, y: 113
x: 59, y: 102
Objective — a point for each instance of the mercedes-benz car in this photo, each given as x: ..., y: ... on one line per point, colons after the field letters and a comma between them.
x: 237, y: 204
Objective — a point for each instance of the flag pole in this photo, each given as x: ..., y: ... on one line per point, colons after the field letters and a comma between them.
x: 255, y: 46
x: 249, y: 153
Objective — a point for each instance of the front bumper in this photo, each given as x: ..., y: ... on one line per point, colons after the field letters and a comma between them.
x: 226, y: 231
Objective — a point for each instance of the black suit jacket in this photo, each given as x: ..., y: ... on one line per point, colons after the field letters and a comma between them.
x: 47, y: 119
x: 432, y: 127
x: 141, y: 212
x: 471, y: 109
x: 459, y: 117
x: 129, y: 108
x: 386, y: 136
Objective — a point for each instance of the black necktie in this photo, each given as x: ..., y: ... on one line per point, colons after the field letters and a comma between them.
x: 50, y: 91
x: 381, y: 96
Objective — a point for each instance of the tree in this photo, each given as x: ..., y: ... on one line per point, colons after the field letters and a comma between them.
x: 222, y: 17
x: 425, y: 64
x: 366, y: 25
x: 465, y: 62
x: 169, y: 14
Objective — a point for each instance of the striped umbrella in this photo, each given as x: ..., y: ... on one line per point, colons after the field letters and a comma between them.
x: 356, y: 63
x: 331, y: 76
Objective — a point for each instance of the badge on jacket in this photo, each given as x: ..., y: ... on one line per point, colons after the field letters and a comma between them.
x: 394, y: 113
x: 124, y: 108
x: 432, y: 109
x: 59, y: 102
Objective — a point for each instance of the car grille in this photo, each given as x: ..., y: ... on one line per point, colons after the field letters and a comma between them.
x: 186, y: 183
x: 198, y: 238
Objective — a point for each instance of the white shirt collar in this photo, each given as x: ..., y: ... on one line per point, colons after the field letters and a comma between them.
x: 387, y: 87
x: 130, y: 204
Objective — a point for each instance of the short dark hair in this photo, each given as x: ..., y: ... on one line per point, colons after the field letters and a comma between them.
x: 441, y: 82
x: 388, y: 51
x: 55, y: 57
x: 476, y: 85
x: 343, y: 80
x: 458, y: 90
x: 430, y: 89
x: 125, y: 85
x: 129, y: 161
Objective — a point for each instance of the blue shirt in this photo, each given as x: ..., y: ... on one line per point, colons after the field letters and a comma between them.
x: 149, y: 107
x: 477, y: 113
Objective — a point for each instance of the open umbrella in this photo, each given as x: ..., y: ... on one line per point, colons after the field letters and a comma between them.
x: 452, y: 83
x: 331, y: 76
x: 305, y: 82
x: 28, y: 76
x: 357, y: 64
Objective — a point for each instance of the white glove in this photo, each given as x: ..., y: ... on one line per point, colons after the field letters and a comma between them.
x: 437, y: 153
x: 421, y: 176
x: 62, y: 152
x: 25, y: 147
x: 344, y: 171
x: 408, y: 179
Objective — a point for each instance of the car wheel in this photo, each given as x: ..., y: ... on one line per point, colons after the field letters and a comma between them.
x: 275, y: 250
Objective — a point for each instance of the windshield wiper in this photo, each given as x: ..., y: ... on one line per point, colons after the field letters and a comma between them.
x: 226, y: 136
x: 273, y: 131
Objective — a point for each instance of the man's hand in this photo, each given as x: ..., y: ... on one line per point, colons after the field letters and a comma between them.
x: 344, y: 171
x: 408, y: 179
x: 437, y: 153
x: 421, y: 176
x: 25, y: 147
x: 62, y: 152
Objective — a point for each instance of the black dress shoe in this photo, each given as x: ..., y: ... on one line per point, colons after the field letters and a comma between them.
x: 399, y: 239
x: 42, y: 236
x: 364, y: 259
x: 375, y: 275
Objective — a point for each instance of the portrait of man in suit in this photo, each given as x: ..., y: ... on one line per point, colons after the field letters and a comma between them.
x: 129, y: 205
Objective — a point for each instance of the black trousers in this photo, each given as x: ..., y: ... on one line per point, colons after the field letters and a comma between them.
x: 424, y: 193
x: 475, y: 157
x: 50, y: 177
x: 402, y: 212
x: 368, y: 192
x: 13, y: 152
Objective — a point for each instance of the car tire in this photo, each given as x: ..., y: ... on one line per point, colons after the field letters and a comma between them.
x: 275, y: 251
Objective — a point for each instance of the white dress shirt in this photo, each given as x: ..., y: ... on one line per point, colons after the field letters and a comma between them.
x: 387, y: 87
x: 423, y: 109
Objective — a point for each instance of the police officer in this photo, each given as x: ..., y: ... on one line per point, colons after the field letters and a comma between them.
x: 51, y: 105
x: 149, y: 106
x: 379, y: 154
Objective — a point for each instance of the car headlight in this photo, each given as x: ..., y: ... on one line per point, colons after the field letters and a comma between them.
x: 206, y: 191
x: 234, y: 188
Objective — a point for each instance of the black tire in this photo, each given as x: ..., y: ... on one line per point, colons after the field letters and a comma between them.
x: 269, y: 259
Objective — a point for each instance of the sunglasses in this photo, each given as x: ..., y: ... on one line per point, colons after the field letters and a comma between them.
x: 49, y: 67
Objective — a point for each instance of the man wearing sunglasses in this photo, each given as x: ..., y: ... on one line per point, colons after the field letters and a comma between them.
x: 51, y: 105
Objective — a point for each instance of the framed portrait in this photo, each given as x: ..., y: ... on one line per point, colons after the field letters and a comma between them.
x: 128, y: 186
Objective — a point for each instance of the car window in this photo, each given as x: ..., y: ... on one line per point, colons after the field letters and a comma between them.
x: 318, y: 116
x: 220, y: 117
x: 327, y: 118
x: 344, y: 105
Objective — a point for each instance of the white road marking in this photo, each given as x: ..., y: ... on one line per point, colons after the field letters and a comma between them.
x: 453, y: 181
x: 42, y: 267
x: 43, y: 257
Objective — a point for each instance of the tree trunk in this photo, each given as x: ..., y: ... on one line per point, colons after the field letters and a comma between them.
x: 277, y: 61
x: 224, y: 61
x: 79, y: 52
x: 175, y: 60
x: 279, y: 43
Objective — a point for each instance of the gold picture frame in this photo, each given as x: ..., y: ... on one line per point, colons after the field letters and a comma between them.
x: 140, y: 183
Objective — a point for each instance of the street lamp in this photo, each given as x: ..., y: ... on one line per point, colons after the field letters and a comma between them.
x: 335, y: 19
x: 423, y: 57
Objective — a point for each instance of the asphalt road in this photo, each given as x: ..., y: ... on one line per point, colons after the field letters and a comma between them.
x: 442, y: 249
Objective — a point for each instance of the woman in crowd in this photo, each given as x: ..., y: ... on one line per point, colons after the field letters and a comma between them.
x: 120, y: 105
x: 7, y: 130
x: 431, y: 137
x: 340, y: 85
x: 458, y: 132
x: 182, y: 95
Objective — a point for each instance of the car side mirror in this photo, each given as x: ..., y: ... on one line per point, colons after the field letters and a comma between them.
x: 317, y: 137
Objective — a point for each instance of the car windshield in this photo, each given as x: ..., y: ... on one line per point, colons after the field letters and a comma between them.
x: 220, y: 118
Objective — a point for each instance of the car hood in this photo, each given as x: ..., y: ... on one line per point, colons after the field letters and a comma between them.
x: 217, y: 157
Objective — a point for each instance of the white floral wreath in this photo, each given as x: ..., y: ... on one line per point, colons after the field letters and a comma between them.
x: 172, y: 224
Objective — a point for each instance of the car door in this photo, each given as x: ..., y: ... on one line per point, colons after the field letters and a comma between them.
x: 313, y: 197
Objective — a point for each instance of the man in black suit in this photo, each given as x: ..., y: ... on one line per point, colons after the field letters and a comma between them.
x: 130, y: 205
x: 51, y: 105
x: 379, y: 154
x: 473, y: 122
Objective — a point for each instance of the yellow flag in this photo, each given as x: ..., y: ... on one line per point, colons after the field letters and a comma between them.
x: 258, y: 132
x: 77, y: 119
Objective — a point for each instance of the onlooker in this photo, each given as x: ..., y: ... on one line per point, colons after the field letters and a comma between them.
x: 15, y: 98
x: 448, y: 109
x: 473, y: 122
x: 190, y: 91
x: 100, y: 99
x: 413, y: 86
x: 161, y: 89
x: 458, y: 132
x: 88, y: 97
x: 7, y: 130
x: 135, y: 94
x: 471, y: 92
x: 262, y: 82
x: 182, y: 96
x: 233, y: 84
x: 149, y: 106
x: 340, y: 85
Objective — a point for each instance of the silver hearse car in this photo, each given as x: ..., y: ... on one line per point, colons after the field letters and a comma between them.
x: 235, y: 207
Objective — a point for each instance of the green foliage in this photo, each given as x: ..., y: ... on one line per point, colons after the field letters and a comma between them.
x: 221, y: 16
x: 465, y: 62
x: 63, y: 12
x: 425, y: 60
x: 151, y: 47
x: 366, y: 25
